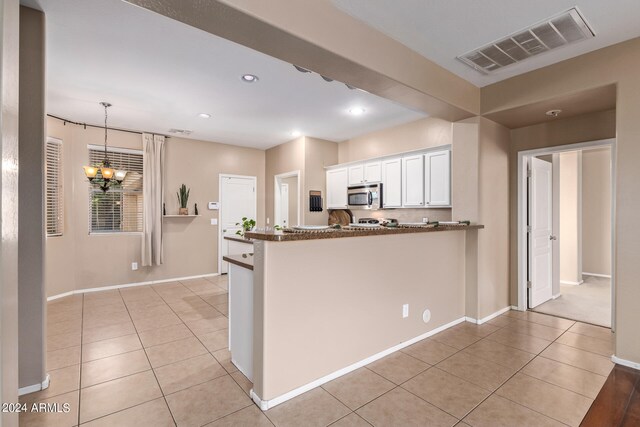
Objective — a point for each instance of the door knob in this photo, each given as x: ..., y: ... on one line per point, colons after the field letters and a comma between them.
x: 553, y: 238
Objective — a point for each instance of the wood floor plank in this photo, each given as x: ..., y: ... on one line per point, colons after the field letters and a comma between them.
x: 612, y: 403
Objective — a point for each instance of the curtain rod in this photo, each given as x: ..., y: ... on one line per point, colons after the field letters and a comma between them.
x: 85, y: 125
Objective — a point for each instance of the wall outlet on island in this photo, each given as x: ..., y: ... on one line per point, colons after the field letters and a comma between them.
x: 425, y: 220
x: 405, y: 310
x: 134, y: 265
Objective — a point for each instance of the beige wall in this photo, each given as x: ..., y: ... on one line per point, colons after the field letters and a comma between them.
x: 596, y: 211
x: 416, y: 135
x: 317, y: 155
x: 615, y: 64
x: 296, y: 318
x: 9, y: 62
x: 31, y: 285
x: 78, y: 260
x: 570, y: 232
x: 283, y: 158
x: 480, y: 184
x: 310, y: 156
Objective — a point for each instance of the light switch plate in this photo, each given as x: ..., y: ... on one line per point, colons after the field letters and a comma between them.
x: 214, y: 221
x: 405, y: 310
x: 213, y: 206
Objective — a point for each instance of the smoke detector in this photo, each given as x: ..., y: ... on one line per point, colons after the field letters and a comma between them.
x: 553, y: 113
x: 560, y: 30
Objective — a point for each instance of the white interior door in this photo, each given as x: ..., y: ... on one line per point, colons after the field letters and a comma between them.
x: 237, y: 200
x: 540, y: 234
x: 284, y: 205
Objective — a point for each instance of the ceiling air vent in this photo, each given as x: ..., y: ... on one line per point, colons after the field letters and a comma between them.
x: 180, y: 131
x: 557, y: 31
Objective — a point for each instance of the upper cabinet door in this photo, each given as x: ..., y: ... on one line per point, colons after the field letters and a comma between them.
x: 356, y: 174
x: 438, y: 178
x: 392, y: 183
x: 413, y: 181
x: 373, y: 172
x: 337, y: 182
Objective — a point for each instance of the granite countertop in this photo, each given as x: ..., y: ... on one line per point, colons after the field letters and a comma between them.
x: 273, y: 236
x: 239, y: 239
x: 242, y: 260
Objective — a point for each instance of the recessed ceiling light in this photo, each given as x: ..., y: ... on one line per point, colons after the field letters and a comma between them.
x: 249, y: 78
x: 356, y: 111
x: 204, y: 116
x: 553, y: 113
x: 296, y: 133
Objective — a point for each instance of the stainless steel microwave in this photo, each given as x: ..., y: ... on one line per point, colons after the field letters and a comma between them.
x: 365, y: 196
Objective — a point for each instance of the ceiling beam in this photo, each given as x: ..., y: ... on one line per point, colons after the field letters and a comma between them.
x: 315, y: 35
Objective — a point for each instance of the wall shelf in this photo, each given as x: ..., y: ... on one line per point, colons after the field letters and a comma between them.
x: 180, y: 216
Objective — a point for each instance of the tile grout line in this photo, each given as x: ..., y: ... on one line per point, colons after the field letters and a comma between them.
x: 208, y: 351
x: 519, y: 371
x: 150, y: 365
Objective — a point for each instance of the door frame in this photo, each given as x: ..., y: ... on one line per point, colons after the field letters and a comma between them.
x: 221, y: 207
x: 276, y: 194
x: 521, y: 237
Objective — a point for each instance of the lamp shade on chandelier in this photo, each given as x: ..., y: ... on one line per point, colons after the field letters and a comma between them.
x: 104, y: 175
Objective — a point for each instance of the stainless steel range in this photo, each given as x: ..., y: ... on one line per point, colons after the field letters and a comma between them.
x: 382, y: 221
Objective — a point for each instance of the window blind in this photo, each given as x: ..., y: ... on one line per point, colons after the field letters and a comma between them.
x: 54, y: 196
x: 119, y: 210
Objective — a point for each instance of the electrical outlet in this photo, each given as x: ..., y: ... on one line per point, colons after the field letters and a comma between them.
x: 425, y: 220
x: 214, y: 221
x: 134, y: 265
x: 405, y: 310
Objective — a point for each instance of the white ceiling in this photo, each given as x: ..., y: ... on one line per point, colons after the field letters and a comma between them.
x: 160, y: 74
x: 442, y: 30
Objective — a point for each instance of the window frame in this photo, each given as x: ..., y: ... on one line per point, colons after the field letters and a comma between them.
x: 93, y: 189
x: 60, y: 188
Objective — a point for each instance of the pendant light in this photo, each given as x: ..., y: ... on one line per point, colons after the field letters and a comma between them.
x: 104, y: 175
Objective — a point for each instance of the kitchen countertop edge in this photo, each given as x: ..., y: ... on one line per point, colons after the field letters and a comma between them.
x: 338, y: 234
x: 242, y: 260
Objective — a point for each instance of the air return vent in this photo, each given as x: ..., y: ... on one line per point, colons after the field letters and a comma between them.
x: 555, y: 32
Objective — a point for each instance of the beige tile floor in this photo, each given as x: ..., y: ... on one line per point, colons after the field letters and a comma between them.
x: 157, y: 356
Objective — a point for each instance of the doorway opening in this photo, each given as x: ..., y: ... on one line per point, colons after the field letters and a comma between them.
x: 565, y: 240
x: 287, y: 199
x: 238, y: 199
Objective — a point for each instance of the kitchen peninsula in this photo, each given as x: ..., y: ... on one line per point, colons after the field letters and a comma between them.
x: 327, y: 302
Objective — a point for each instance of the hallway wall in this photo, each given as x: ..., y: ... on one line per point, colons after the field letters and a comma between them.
x: 596, y: 211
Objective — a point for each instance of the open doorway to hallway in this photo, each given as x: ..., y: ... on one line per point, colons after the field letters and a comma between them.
x: 568, y: 217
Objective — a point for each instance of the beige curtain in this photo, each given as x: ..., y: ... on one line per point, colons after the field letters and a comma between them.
x: 153, y: 164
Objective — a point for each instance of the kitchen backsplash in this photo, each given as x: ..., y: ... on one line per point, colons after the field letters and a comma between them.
x: 405, y: 215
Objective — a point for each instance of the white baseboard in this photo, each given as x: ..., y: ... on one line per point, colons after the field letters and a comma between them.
x: 567, y: 282
x: 268, y: 404
x: 555, y: 296
x: 489, y: 317
x: 515, y: 308
x: 624, y: 362
x: 129, y: 285
x: 35, y: 387
x: 607, y: 276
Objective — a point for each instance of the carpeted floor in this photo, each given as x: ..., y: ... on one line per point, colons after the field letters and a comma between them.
x: 589, y: 302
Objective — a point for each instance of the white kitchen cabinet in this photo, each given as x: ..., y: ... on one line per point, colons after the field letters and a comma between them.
x: 413, y: 181
x: 356, y: 174
x: 392, y: 183
x: 365, y: 172
x: 437, y: 178
x: 337, y: 183
x: 373, y: 172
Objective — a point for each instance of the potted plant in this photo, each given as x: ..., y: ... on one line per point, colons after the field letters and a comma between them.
x: 183, y: 198
x: 247, y: 225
